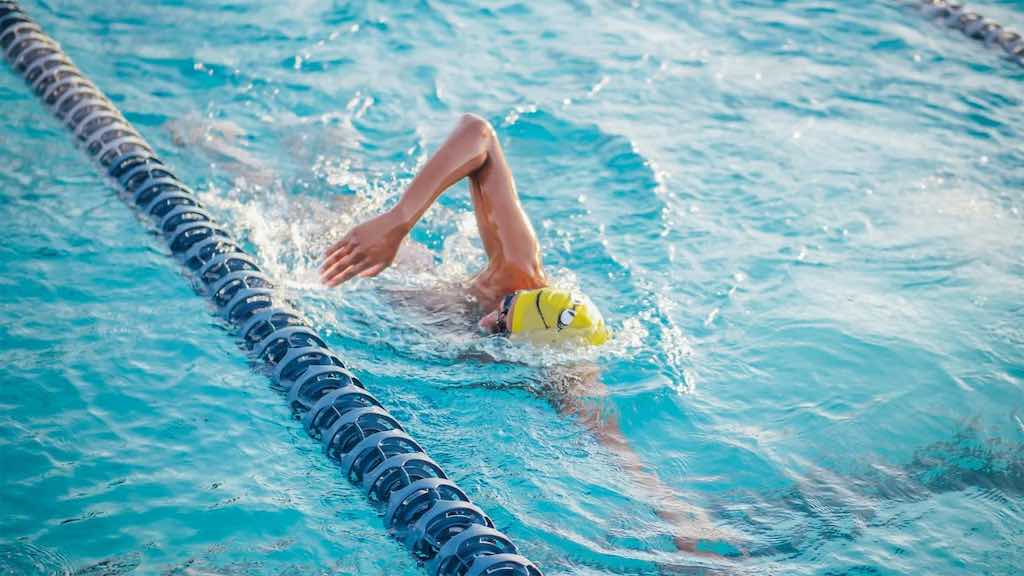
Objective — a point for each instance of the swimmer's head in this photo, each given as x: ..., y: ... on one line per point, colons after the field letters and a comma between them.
x: 550, y: 315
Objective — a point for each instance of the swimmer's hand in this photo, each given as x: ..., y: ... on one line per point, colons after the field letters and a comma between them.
x: 365, y: 251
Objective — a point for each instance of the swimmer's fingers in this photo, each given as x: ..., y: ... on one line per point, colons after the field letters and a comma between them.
x: 343, y: 244
x: 373, y: 271
x: 339, y: 250
x: 334, y: 275
x: 350, y: 272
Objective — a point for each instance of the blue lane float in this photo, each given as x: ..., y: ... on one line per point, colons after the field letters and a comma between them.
x: 976, y: 26
x: 422, y: 507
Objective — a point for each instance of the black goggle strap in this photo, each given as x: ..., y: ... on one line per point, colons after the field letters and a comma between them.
x: 506, y: 304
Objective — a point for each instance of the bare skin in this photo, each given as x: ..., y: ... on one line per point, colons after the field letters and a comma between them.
x: 473, y: 151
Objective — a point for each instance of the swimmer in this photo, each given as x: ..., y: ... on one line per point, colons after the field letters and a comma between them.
x: 512, y: 290
x: 512, y: 293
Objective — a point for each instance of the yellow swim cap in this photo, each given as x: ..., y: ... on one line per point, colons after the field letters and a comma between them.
x: 552, y: 315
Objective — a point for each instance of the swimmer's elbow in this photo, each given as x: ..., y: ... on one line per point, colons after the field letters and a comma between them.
x: 477, y: 126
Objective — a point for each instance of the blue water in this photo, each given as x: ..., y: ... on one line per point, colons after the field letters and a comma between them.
x: 802, y: 219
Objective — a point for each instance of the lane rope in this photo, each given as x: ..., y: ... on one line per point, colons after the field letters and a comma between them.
x: 423, y: 508
x: 976, y: 26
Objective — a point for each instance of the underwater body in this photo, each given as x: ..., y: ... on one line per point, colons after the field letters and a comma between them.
x: 802, y: 221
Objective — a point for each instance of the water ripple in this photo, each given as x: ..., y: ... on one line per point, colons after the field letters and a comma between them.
x: 801, y: 219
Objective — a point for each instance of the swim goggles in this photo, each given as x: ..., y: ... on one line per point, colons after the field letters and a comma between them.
x: 501, y: 326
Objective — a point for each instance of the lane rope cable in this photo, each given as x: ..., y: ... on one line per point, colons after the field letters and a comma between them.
x: 422, y: 507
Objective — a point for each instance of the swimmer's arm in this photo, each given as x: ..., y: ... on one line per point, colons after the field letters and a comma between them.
x: 464, y: 152
x: 371, y: 246
x: 587, y: 401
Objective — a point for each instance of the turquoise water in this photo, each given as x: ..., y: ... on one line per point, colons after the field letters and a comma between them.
x: 802, y: 219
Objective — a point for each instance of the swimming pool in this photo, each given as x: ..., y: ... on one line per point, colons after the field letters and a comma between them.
x: 802, y: 220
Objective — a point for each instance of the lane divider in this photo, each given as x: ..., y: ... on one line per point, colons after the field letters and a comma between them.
x: 975, y: 26
x: 423, y: 508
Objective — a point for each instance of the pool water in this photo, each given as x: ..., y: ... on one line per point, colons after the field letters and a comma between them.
x: 803, y: 221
